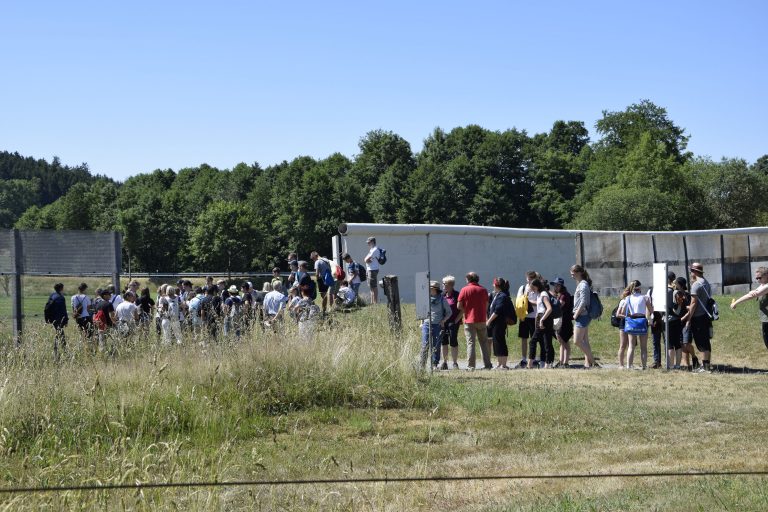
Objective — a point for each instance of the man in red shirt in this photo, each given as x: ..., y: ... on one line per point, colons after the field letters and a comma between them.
x: 473, y: 307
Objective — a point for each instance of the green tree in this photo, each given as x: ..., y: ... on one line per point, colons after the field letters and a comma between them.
x: 631, y: 209
x: 15, y: 197
x: 224, y: 237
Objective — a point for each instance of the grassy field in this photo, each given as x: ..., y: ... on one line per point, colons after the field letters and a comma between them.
x: 351, y: 404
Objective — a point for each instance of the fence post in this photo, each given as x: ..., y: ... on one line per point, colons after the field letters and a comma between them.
x: 392, y: 292
x: 18, y: 268
x: 117, y: 261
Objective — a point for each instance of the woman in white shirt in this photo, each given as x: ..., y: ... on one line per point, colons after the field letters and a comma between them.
x: 623, y: 336
x: 637, y: 310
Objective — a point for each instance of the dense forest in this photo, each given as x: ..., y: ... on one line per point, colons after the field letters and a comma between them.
x: 636, y: 175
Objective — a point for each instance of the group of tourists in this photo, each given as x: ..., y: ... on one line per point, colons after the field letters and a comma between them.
x: 542, y: 310
x: 545, y: 311
x: 216, y: 309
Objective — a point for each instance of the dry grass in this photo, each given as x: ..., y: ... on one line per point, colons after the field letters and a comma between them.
x: 350, y: 404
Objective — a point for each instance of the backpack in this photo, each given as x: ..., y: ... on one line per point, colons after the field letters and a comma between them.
x: 615, y: 320
x: 328, y: 277
x: 99, y: 321
x: 595, y: 306
x: 337, y: 271
x: 382, y: 257
x: 78, y: 309
x: 557, y: 308
x: 236, y: 308
x: 509, y: 312
x: 521, y: 305
x: 361, y: 272
x: 48, y: 310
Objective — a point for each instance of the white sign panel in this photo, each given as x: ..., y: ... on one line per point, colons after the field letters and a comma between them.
x: 422, y: 295
x: 659, y: 295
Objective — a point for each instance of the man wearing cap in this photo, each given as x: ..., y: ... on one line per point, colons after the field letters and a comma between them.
x: 372, y: 266
x: 698, y: 319
x: 439, y: 313
x: 760, y: 293
x: 473, y: 307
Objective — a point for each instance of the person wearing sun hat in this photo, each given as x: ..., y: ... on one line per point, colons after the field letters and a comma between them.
x: 699, y: 318
x: 439, y: 313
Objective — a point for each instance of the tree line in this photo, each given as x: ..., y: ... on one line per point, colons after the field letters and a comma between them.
x: 637, y: 175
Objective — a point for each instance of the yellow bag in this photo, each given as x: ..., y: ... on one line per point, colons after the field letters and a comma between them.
x: 521, y: 305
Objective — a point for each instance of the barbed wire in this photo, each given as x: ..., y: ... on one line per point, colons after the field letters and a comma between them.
x: 370, y: 480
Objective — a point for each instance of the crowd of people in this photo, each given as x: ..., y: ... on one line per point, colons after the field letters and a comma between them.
x: 542, y: 311
x: 216, y: 309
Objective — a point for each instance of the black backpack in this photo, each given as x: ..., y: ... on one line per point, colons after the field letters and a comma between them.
x: 382, y: 257
x: 557, y: 308
x: 361, y: 272
x: 48, y: 310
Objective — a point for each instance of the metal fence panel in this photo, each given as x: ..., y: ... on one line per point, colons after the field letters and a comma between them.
x: 705, y: 249
x: 6, y: 259
x: 639, y: 256
x: 604, y: 260
x: 69, y: 252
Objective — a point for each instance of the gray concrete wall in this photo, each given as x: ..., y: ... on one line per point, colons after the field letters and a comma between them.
x: 729, y: 256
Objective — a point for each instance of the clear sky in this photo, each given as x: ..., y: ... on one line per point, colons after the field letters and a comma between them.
x: 129, y: 87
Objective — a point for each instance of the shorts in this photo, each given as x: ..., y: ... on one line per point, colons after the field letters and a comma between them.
x: 526, y: 327
x: 373, y: 278
x: 322, y: 288
x: 450, y: 335
x: 700, y: 326
x: 675, y: 341
x: 85, y: 324
x: 583, y: 321
x: 765, y: 333
x: 565, y: 331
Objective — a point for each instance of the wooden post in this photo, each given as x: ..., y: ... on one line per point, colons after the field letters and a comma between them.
x: 18, y: 268
x: 392, y: 292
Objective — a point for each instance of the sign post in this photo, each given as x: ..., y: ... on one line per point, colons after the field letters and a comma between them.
x: 659, y: 298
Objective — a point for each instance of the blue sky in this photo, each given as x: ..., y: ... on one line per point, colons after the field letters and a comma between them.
x: 134, y: 86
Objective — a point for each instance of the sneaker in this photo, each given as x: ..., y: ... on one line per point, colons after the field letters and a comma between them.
x: 470, y: 368
x: 676, y: 367
x: 656, y: 366
x: 556, y: 365
x: 566, y: 365
x: 695, y: 362
x: 523, y: 363
x: 701, y: 369
x: 455, y: 366
x: 444, y: 366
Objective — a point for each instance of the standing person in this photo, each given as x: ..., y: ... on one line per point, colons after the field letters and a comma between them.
x: 276, y: 277
x: 676, y: 309
x: 623, y: 336
x: 81, y: 312
x: 698, y: 318
x: 210, y: 306
x: 115, y: 298
x: 372, y: 268
x: 322, y: 270
x: 581, y: 318
x: 293, y: 265
x: 564, y: 331
x: 307, y: 313
x: 146, y: 305
x: 527, y: 325
x: 760, y: 293
x: 171, y: 323
x: 274, y: 303
x: 105, y: 317
x: 439, y: 312
x: 449, y: 337
x: 56, y: 315
x: 638, y: 309
x: 353, y: 273
x: 127, y: 314
x: 473, y: 305
x: 195, y: 308
x: 544, y: 331
x: 498, y: 310
x: 233, y: 309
